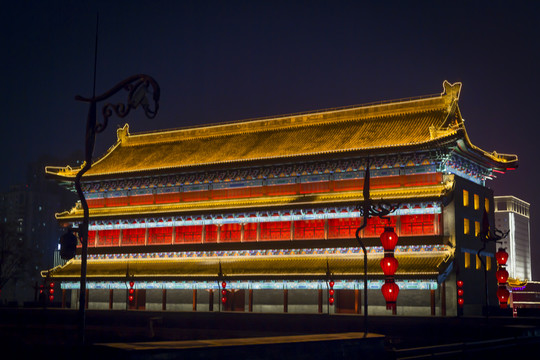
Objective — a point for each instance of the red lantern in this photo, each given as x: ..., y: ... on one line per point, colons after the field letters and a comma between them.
x: 223, y: 292
x: 502, y: 275
x: 389, y: 239
x: 224, y: 284
x: 503, y: 294
x: 501, y: 256
x: 131, y: 291
x: 51, y: 292
x: 389, y: 265
x: 390, y: 291
x: 460, y: 292
x: 223, y: 299
x: 331, y: 292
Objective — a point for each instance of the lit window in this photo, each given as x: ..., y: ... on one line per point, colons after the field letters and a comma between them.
x: 486, y: 204
x: 476, y: 202
x: 476, y: 228
x: 465, y: 198
x: 466, y: 226
x: 478, y: 263
x: 488, y: 263
x: 467, y: 260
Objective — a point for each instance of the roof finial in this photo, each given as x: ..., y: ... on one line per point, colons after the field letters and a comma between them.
x: 451, y: 90
x: 122, y: 133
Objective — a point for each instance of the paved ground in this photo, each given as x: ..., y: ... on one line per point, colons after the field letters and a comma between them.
x: 55, y: 331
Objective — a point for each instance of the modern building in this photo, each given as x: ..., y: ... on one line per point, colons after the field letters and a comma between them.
x: 269, y: 208
x: 512, y: 215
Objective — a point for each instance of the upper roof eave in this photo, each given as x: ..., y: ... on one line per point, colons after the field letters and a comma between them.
x: 443, y: 103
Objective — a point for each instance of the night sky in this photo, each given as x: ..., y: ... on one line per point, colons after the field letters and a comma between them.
x: 230, y: 60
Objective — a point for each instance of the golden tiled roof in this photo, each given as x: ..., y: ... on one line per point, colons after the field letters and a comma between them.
x: 380, y: 126
x: 395, y: 194
x: 415, y: 263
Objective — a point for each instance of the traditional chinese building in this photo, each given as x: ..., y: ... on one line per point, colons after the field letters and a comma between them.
x: 270, y: 207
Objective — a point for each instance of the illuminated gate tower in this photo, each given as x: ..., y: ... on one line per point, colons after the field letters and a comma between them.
x: 270, y: 207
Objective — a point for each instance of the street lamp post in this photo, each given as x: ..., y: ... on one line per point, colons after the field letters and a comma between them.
x: 487, y: 236
x: 369, y: 209
x: 137, y: 87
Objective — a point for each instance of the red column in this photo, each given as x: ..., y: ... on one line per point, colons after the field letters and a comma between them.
x: 285, y: 300
x: 432, y: 301
x: 164, y: 299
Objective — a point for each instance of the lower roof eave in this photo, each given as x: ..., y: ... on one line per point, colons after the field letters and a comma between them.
x: 255, y: 278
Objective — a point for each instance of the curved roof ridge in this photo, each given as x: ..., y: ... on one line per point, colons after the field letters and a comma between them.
x: 445, y: 100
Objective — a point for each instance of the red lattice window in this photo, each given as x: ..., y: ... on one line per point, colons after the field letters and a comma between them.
x: 96, y: 203
x: 348, y: 185
x: 141, y: 199
x: 250, y: 232
x: 117, y: 201
x: 278, y: 230
x: 108, y: 238
x: 343, y: 228
x: 210, y: 233
x: 188, y: 234
x: 422, y: 179
x: 315, y: 187
x: 375, y: 225
x: 230, y: 233
x: 289, y: 189
x: 91, y: 239
x: 308, y: 229
x: 167, y: 198
x: 195, y: 195
x: 133, y: 236
x: 424, y: 224
x: 160, y: 235
x: 385, y: 182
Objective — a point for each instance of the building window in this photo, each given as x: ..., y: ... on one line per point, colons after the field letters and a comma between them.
x: 131, y: 236
x: 486, y: 205
x: 308, y: 229
x: 488, y: 263
x: 230, y: 233
x: 467, y: 260
x: 108, y: 237
x: 278, y: 230
x: 344, y: 228
x: 465, y: 198
x: 160, y: 235
x: 375, y: 225
x: 466, y: 226
x: 211, y: 233
x: 188, y: 234
x: 478, y: 263
x: 476, y: 202
x: 476, y: 228
x: 423, y: 224
x: 250, y: 232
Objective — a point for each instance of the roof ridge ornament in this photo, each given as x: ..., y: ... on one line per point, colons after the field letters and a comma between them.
x: 451, y: 90
x: 122, y: 133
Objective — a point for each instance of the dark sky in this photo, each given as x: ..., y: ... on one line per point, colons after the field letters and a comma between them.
x: 229, y: 60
